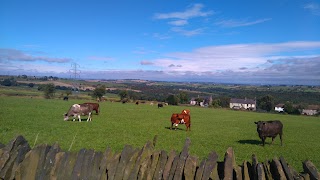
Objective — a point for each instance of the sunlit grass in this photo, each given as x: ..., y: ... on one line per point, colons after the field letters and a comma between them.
x: 120, y: 124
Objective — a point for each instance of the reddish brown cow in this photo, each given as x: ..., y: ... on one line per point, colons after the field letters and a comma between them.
x: 177, y: 119
x: 95, y: 106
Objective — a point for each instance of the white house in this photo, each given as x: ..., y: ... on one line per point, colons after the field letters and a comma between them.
x: 279, y: 108
x: 206, y: 101
x: 311, y: 110
x: 248, y: 104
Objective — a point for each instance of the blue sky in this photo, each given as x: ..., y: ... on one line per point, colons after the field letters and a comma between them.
x: 274, y: 41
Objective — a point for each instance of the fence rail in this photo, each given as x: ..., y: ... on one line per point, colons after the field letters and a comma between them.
x: 19, y: 161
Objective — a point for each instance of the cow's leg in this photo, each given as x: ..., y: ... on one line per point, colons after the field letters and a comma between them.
x: 272, y: 139
x: 188, y: 127
x: 176, y: 124
x: 74, y: 117
x: 280, y: 138
x: 79, y: 118
x: 263, y: 140
x: 89, y: 117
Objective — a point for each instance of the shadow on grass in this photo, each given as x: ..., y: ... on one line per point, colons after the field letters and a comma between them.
x: 77, y: 120
x: 180, y: 129
x: 250, y: 141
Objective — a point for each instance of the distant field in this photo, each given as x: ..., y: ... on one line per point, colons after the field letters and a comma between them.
x: 120, y: 124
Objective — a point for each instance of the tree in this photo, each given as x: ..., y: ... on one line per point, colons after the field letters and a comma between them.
x: 49, y: 90
x: 99, y: 91
x: 133, y: 95
x: 288, y: 107
x: 172, y: 100
x: 216, y: 103
x: 24, y: 76
x: 68, y: 92
x: 224, y: 102
x: 183, y: 96
x: 291, y: 109
x: 123, y: 94
x: 9, y: 82
x: 31, y: 85
x: 266, y: 103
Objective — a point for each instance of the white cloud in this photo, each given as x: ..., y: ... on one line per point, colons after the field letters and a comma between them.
x: 146, y: 63
x: 179, y: 19
x: 314, y: 8
x: 239, y: 23
x: 178, y: 22
x: 187, y: 32
x: 100, y: 58
x: 161, y: 36
x: 194, y: 11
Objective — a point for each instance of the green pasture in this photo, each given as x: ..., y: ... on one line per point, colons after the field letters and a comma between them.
x: 41, y: 121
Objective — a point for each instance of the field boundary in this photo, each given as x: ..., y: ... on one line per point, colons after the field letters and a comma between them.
x: 19, y: 161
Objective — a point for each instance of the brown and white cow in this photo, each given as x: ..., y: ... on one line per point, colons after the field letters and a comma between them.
x: 177, y: 119
x: 95, y: 106
x: 77, y: 110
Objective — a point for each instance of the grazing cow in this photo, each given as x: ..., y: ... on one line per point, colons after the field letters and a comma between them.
x: 185, y: 111
x: 160, y: 105
x: 269, y: 129
x: 66, y: 98
x: 77, y: 110
x: 137, y: 103
x: 95, y: 106
x: 177, y: 119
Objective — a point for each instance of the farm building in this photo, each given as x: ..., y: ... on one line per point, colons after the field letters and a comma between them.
x: 248, y: 104
x: 201, y: 101
x: 311, y: 110
x: 279, y: 108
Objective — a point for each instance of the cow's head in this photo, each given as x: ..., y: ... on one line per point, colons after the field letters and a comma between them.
x: 66, y: 117
x: 260, y: 125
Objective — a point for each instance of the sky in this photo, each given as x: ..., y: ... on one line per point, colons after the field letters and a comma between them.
x: 229, y: 41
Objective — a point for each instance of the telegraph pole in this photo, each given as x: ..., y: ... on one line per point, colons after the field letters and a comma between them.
x: 74, y: 75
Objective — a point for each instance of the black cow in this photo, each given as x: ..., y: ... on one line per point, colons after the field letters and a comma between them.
x: 65, y: 98
x: 160, y: 105
x: 269, y: 129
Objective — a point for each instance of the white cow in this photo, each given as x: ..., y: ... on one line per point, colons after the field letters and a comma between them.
x: 79, y: 109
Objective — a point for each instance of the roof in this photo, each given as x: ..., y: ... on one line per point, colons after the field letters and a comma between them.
x: 242, y: 101
x: 279, y: 105
x: 313, y: 107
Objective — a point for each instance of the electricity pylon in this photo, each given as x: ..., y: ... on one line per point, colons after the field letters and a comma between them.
x: 74, y: 75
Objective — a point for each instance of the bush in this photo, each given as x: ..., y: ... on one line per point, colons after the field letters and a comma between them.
x: 49, y: 90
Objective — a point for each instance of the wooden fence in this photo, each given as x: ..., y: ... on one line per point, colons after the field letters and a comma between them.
x: 19, y: 161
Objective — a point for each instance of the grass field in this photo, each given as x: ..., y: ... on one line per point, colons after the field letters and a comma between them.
x: 41, y: 121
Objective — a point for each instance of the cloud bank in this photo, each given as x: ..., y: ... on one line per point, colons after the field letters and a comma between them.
x: 274, y: 63
x: 17, y: 55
